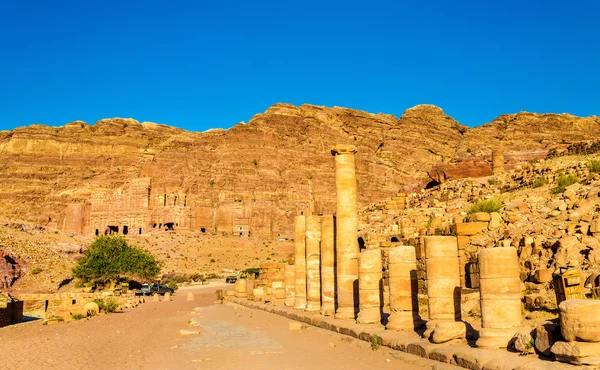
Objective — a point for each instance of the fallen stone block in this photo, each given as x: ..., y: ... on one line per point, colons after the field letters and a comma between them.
x: 577, y: 353
x: 446, y: 331
x: 545, y: 336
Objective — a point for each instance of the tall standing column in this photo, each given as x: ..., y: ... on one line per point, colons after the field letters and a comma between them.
x: 347, y: 250
x: 290, y: 285
x: 300, y: 263
x: 404, y: 286
x: 313, y: 263
x: 328, y: 265
x: 500, y: 288
x: 369, y: 287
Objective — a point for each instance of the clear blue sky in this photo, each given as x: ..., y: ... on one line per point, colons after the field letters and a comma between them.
x: 199, y: 64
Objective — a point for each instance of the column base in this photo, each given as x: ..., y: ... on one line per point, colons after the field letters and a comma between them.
x: 328, y: 309
x: 369, y: 316
x: 345, y: 313
x: 300, y: 304
x: 404, y: 320
x: 495, y: 338
x: 312, y: 306
x: 446, y: 331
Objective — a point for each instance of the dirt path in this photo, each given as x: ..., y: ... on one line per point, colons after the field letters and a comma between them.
x: 149, y: 337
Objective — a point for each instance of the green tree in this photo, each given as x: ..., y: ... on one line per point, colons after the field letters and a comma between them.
x: 110, y: 258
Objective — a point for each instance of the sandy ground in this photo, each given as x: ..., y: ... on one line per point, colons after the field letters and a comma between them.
x: 149, y: 337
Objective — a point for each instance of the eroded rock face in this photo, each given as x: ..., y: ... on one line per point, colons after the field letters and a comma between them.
x: 10, y: 270
x: 253, y: 175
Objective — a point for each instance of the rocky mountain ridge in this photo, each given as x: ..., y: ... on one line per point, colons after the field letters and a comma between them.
x: 264, y: 166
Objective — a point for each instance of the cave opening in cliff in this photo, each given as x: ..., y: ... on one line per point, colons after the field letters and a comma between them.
x: 432, y: 184
x: 394, y: 240
x: 170, y: 225
x: 113, y: 230
x: 202, y: 230
x: 97, y: 232
x: 125, y: 230
x: 140, y: 231
x: 361, y: 244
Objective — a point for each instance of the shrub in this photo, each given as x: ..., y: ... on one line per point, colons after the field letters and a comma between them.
x: 594, y: 166
x: 171, y: 284
x: 491, y: 181
x: 108, y: 304
x: 539, y: 182
x: 563, y: 181
x: 487, y: 206
x: 212, y: 260
x: 36, y: 270
x: 375, y: 342
x: 109, y: 257
x: 77, y: 316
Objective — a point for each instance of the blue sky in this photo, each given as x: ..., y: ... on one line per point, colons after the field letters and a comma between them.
x: 198, y: 65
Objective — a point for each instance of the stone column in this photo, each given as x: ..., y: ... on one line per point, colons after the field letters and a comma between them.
x: 369, y: 287
x: 346, y: 232
x: 290, y: 285
x: 313, y: 263
x: 443, y: 288
x: 240, y: 288
x: 328, y: 265
x: 300, y: 263
x: 404, y: 306
x: 497, y: 161
x: 500, y: 287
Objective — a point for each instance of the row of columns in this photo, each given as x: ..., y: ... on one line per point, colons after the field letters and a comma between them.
x: 334, y: 278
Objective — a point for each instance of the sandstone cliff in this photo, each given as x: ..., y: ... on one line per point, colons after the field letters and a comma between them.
x: 255, y: 175
x: 259, y: 170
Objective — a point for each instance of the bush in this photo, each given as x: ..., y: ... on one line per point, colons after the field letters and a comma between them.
x: 171, y: 283
x: 77, y: 316
x: 594, y: 166
x: 539, y: 182
x: 563, y: 181
x: 487, y: 206
x: 109, y: 257
x: 36, y: 270
x: 108, y: 304
x: 376, y: 342
x: 212, y: 260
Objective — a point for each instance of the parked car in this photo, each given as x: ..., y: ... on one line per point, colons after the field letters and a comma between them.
x: 156, y: 289
x: 231, y: 279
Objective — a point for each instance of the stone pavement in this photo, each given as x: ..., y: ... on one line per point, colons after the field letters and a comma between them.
x: 450, y: 355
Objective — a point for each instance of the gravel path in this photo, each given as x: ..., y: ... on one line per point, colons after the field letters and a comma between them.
x: 190, y: 335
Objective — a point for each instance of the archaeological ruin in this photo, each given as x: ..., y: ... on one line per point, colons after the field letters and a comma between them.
x: 427, y: 286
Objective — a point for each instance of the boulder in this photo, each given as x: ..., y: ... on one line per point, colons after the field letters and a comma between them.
x: 577, y: 353
x: 545, y: 336
x: 523, y: 342
x: 91, y: 308
x: 446, y: 331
